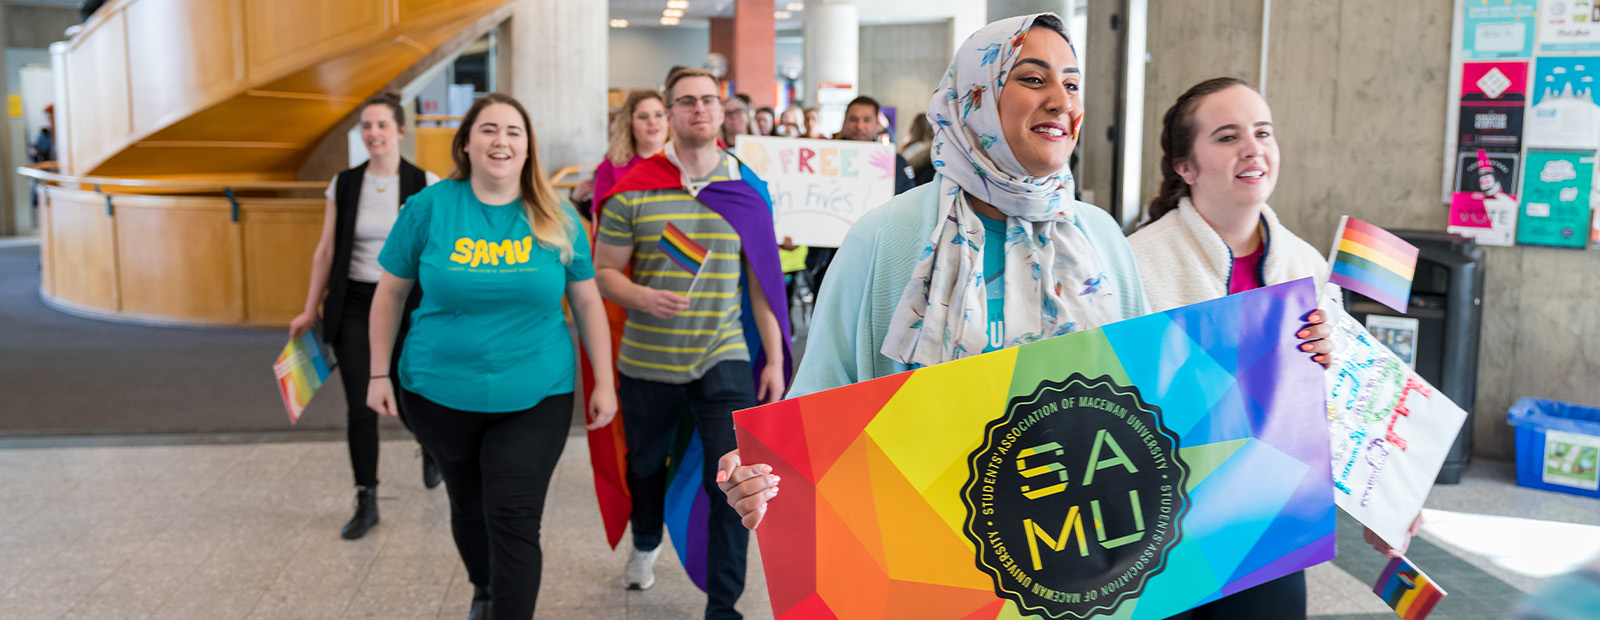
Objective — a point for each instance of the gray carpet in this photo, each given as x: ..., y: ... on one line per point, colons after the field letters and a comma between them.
x: 62, y: 375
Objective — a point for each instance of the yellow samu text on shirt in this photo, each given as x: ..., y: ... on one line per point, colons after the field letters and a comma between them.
x: 474, y: 252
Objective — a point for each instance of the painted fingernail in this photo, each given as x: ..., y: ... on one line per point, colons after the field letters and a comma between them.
x: 1303, y: 333
x: 722, y: 476
x: 1305, y: 347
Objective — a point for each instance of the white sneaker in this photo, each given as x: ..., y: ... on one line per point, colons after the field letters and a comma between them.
x: 640, y: 573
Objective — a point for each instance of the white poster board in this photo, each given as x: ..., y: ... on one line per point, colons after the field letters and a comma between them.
x: 1390, y: 430
x: 820, y: 188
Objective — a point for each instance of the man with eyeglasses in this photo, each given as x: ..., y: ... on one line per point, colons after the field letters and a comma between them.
x: 707, y: 326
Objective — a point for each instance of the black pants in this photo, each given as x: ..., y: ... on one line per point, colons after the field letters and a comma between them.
x: 650, y: 413
x: 497, y: 469
x: 1283, y: 598
x: 354, y: 353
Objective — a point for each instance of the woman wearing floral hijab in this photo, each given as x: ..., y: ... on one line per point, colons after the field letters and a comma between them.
x: 918, y: 279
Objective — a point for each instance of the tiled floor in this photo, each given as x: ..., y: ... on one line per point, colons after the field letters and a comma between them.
x: 250, y: 531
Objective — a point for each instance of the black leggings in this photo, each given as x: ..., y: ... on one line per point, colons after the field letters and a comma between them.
x: 497, y: 469
x: 1283, y: 598
x: 355, y: 359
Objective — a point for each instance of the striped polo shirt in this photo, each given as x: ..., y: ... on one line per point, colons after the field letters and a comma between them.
x: 681, y: 349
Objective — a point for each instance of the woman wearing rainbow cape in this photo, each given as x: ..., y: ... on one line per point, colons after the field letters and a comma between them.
x: 920, y: 274
x: 685, y: 242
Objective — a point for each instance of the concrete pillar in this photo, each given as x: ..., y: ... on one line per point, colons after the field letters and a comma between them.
x: 832, y: 34
x: 1001, y: 9
x: 555, y: 46
x: 755, y: 36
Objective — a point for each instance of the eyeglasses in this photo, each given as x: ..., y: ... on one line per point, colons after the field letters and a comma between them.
x: 689, y: 103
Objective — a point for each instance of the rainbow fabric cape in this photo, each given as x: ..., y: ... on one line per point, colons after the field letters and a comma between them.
x: 1371, y: 261
x: 1133, y: 471
x: 301, y: 369
x: 745, y: 205
x: 1407, y: 589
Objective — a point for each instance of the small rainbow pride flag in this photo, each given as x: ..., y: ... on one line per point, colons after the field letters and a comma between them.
x: 1405, y: 588
x: 301, y: 370
x: 682, y: 250
x: 1371, y: 261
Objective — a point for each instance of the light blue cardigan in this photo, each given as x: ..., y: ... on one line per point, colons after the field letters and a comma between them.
x: 874, y: 263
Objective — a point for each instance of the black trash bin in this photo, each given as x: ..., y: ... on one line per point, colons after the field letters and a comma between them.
x: 1447, y: 310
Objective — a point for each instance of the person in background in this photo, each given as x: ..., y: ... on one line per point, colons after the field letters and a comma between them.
x: 639, y: 130
x: 918, y: 151
x: 488, y: 370
x: 790, y: 123
x: 735, y: 121
x: 766, y: 121
x: 43, y: 147
x: 362, y: 206
x: 863, y: 123
x: 813, y: 127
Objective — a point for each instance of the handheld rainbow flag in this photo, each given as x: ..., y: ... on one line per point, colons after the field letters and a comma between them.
x: 301, y: 369
x: 677, y: 245
x: 1408, y: 590
x: 1371, y: 261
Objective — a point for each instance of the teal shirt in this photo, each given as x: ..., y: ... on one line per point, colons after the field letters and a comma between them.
x: 490, y: 335
x: 994, y: 280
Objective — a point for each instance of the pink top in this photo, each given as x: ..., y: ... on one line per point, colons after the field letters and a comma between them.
x: 607, y: 175
x: 1246, y: 273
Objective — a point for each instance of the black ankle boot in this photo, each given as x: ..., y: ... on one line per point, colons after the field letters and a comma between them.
x: 366, y: 514
x: 431, y: 476
x: 481, y: 607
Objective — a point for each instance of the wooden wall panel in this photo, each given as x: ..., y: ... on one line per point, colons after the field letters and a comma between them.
x: 278, y: 242
x: 280, y: 34
x: 145, y: 160
x: 46, y: 276
x: 83, y: 248
x: 97, y: 81
x: 433, y: 150
x: 181, y: 54
x: 179, y: 258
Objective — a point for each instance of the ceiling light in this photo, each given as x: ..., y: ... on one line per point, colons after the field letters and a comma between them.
x: 619, y: 23
x: 678, y: 4
x: 782, y: 15
x: 669, y: 21
x: 672, y: 13
x: 795, y: 6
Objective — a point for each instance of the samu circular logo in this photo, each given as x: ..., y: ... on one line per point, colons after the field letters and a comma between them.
x: 1075, y: 497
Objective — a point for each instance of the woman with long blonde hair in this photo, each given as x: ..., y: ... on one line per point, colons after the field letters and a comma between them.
x: 488, y: 367
x: 641, y: 131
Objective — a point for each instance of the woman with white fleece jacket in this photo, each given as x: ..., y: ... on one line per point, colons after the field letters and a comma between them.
x: 1210, y: 233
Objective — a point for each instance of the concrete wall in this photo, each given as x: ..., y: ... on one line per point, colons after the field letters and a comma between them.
x: 641, y: 56
x: 901, y: 65
x: 36, y: 27
x: 1359, y: 90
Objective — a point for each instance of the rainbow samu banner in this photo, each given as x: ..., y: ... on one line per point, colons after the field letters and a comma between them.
x: 1132, y: 471
x: 301, y: 369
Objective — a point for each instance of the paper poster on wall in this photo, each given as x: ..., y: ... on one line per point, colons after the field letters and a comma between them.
x: 1484, y: 204
x: 1493, y: 95
x: 1555, y: 199
x: 820, y: 187
x: 1565, y: 113
x: 1498, y: 29
x: 1569, y: 26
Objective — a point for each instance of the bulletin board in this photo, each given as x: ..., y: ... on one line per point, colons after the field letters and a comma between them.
x: 1523, y: 127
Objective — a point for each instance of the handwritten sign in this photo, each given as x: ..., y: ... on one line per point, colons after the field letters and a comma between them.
x: 1390, y: 431
x: 820, y: 187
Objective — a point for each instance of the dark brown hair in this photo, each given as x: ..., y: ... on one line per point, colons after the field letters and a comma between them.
x: 391, y: 101
x: 550, y: 224
x: 1177, y: 143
